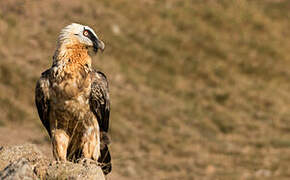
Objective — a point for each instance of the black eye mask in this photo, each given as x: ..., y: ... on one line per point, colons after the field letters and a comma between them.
x: 93, y: 38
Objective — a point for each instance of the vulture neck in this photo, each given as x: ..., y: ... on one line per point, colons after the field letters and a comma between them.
x: 72, y: 53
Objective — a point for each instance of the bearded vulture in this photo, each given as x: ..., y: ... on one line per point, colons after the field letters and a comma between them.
x: 72, y: 100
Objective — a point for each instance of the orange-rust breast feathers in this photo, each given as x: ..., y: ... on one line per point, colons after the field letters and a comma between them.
x: 77, y: 53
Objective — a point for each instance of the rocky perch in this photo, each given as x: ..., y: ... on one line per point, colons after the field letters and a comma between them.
x: 27, y: 162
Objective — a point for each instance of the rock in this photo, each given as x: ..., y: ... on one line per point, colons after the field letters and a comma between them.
x: 20, y: 169
x: 69, y: 170
x: 10, y: 154
x: 27, y: 162
x: 35, y: 158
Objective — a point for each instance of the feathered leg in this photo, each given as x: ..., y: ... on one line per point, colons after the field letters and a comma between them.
x: 60, y: 142
x: 91, y: 143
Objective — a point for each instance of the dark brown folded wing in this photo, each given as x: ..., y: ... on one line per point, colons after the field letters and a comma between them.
x: 100, y: 105
x: 99, y: 100
x: 42, y: 101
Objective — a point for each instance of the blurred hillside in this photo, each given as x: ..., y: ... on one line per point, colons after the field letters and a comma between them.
x: 199, y: 89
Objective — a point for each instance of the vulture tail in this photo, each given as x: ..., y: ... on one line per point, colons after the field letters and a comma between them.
x: 105, y: 157
x: 105, y: 160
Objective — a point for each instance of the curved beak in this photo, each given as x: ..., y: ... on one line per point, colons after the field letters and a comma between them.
x: 98, y: 44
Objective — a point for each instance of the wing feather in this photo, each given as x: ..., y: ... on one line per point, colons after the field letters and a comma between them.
x: 100, y: 105
x: 100, y: 101
x: 42, y: 100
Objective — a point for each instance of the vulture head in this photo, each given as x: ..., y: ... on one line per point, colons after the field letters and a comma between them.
x: 84, y: 35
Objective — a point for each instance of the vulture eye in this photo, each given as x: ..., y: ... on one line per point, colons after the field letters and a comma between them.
x: 86, y: 33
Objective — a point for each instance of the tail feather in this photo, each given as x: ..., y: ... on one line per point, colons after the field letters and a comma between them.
x: 105, y: 160
x: 105, y: 157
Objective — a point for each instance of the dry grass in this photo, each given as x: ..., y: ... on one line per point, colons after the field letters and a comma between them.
x: 200, y: 90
